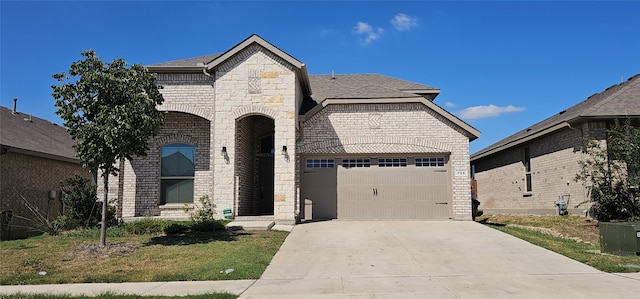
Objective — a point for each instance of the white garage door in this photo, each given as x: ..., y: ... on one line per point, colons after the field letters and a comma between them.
x: 381, y: 188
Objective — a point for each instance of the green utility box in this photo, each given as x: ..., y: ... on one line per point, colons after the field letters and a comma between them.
x: 227, y: 213
x: 620, y: 238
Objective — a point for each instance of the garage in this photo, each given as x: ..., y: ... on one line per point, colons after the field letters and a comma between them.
x: 389, y: 187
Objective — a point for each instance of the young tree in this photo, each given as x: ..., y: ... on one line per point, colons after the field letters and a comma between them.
x: 611, y: 172
x: 110, y: 110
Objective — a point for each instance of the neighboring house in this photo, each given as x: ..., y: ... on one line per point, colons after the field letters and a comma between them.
x: 526, y: 173
x: 36, y: 155
x: 253, y: 131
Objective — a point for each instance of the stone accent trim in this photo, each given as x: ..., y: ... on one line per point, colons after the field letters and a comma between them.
x: 247, y: 52
x: 253, y: 110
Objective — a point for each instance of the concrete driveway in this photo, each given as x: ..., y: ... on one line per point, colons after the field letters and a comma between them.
x: 426, y: 259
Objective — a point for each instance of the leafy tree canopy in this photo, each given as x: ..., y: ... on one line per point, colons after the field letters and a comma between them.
x: 110, y: 110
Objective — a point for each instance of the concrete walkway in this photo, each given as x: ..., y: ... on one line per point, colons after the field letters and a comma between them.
x: 397, y: 259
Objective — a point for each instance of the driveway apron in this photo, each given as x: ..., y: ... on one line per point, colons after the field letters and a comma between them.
x: 425, y: 259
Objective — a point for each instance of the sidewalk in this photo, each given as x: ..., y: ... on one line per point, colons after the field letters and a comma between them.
x: 173, y: 288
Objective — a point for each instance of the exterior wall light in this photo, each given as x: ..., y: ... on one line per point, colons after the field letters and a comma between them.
x: 223, y: 151
x: 284, y: 149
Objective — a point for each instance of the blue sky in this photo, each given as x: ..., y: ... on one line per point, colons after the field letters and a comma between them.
x: 501, y: 66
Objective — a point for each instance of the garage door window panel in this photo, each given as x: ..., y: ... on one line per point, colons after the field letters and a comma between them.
x: 392, y: 162
x: 430, y: 162
x: 320, y: 163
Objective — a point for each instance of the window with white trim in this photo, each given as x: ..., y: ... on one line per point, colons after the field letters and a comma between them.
x: 430, y: 162
x: 360, y: 162
x: 177, y: 173
x: 392, y: 162
x: 321, y: 163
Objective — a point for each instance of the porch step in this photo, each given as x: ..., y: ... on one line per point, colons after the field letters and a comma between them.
x: 253, y: 218
x: 251, y: 224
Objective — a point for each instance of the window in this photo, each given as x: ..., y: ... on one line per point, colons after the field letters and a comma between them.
x: 357, y: 163
x: 526, y: 160
x: 430, y: 162
x: 321, y: 163
x: 177, y: 172
x: 392, y: 162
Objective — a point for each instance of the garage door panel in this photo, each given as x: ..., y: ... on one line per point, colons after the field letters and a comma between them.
x: 405, y: 191
x: 319, y: 187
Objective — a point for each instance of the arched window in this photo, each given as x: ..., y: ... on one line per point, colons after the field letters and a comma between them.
x: 177, y: 172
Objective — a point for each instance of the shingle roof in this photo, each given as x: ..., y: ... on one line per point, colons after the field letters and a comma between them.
x: 361, y: 86
x: 33, y: 134
x: 189, y: 62
x: 616, y: 101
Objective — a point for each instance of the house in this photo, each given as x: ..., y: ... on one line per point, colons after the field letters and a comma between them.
x: 253, y: 131
x: 36, y: 155
x: 527, y: 172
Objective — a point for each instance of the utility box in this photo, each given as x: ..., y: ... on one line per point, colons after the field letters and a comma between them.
x: 620, y: 238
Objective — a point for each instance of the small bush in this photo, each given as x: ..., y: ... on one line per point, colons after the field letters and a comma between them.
x: 208, y: 226
x: 176, y: 228
x: 145, y: 226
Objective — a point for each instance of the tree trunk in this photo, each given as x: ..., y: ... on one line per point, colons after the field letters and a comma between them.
x: 103, y: 225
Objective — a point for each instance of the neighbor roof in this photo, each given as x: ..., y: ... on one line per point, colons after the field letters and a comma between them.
x: 32, y: 135
x: 617, y: 101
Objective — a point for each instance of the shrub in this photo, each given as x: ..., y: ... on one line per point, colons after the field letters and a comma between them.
x: 145, y: 226
x: 82, y: 208
x: 176, y: 228
x: 207, y: 226
x: 611, y: 173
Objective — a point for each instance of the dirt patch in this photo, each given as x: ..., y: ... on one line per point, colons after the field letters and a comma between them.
x: 97, y: 251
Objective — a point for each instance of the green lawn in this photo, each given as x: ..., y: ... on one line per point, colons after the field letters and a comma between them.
x: 190, y: 256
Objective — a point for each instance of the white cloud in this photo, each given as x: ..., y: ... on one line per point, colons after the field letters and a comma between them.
x: 403, y: 22
x: 476, y: 112
x: 449, y: 105
x: 370, y: 34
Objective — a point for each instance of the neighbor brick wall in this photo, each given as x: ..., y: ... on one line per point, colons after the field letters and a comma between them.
x: 391, y: 128
x: 554, y: 165
x: 32, y: 177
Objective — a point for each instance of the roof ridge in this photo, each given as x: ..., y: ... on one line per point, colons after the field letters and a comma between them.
x: 624, y: 86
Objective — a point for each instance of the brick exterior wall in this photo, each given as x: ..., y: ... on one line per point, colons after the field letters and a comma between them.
x: 391, y: 128
x: 32, y: 177
x: 554, y: 165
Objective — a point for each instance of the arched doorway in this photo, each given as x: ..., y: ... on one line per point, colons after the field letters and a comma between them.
x: 254, y: 165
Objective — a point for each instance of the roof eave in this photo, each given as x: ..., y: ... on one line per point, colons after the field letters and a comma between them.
x: 175, y: 69
x: 23, y: 151
x: 526, y: 138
